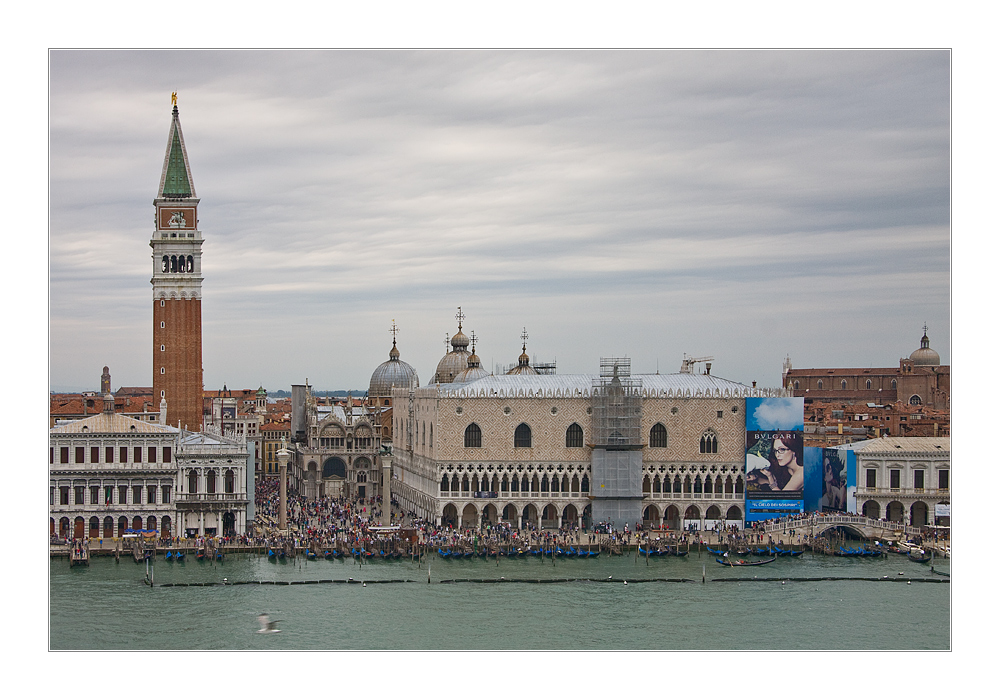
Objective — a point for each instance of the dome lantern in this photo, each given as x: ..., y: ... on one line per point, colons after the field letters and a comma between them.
x: 925, y: 355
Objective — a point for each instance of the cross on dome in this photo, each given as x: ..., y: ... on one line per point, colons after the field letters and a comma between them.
x: 460, y: 316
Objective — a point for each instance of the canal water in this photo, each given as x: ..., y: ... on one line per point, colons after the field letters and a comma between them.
x: 612, y: 602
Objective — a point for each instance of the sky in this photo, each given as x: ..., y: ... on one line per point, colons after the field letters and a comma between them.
x: 741, y: 205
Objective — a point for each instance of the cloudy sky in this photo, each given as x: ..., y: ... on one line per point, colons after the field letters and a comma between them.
x: 745, y: 205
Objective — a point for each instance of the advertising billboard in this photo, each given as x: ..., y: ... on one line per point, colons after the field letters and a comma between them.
x: 775, y: 474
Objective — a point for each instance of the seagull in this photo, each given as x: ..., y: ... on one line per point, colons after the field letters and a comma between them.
x: 266, y: 626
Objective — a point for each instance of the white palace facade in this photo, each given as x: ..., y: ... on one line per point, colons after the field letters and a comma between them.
x: 535, y: 449
x: 111, y: 473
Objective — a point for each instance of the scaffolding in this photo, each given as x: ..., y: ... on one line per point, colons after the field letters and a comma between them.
x: 616, y: 439
x: 616, y: 420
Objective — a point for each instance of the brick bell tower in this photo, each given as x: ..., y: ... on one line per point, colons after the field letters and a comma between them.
x: 176, y: 244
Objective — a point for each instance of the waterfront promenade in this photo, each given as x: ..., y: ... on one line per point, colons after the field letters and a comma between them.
x: 356, y: 527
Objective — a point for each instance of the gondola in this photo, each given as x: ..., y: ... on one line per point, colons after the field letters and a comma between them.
x: 444, y: 553
x: 311, y: 556
x: 218, y: 555
x: 168, y: 556
x: 200, y: 556
x: 271, y: 554
x: 179, y: 556
x: 281, y: 554
x: 742, y: 562
x: 678, y: 552
x: 718, y: 551
x: 328, y: 555
x: 921, y: 557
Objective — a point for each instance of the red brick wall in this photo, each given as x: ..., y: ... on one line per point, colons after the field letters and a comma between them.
x: 181, y: 379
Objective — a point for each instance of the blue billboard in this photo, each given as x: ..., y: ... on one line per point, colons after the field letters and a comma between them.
x: 775, y: 474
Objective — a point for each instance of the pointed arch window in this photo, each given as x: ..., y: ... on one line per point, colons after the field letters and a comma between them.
x: 658, y: 436
x: 473, y: 436
x: 522, y: 436
x: 709, y: 443
x: 893, y: 384
x: 819, y: 384
x: 868, y: 384
x: 843, y: 383
x: 574, y: 436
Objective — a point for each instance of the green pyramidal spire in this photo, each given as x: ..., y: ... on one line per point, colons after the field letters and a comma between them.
x: 176, y: 182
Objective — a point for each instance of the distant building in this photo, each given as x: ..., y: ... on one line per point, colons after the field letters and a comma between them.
x: 274, y: 434
x: 919, y: 380
x: 832, y: 424
x: 135, y: 402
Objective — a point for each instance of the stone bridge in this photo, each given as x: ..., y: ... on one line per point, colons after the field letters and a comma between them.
x: 816, y: 525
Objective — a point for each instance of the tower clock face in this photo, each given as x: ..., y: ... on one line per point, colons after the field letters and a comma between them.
x: 173, y: 218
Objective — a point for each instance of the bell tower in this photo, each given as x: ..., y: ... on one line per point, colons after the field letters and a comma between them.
x: 176, y: 244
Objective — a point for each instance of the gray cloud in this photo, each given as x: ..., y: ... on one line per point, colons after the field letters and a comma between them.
x: 741, y: 204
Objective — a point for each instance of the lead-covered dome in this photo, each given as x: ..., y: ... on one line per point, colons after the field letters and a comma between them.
x: 473, y: 371
x: 456, y: 361
x: 390, y: 374
x: 523, y: 363
x: 924, y: 355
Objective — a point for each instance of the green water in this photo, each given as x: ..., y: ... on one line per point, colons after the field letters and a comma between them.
x: 107, y: 605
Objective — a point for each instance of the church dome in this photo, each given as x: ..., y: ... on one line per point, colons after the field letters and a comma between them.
x: 459, y: 341
x: 523, y: 363
x: 473, y: 371
x: 456, y: 361
x: 924, y: 355
x: 392, y: 373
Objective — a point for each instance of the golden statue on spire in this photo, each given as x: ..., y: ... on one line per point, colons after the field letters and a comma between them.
x: 173, y: 99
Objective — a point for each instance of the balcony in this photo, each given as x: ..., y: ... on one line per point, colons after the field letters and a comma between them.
x: 232, y: 500
x: 704, y: 496
x: 873, y: 492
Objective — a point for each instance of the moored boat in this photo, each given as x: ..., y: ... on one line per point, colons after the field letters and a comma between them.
x: 730, y: 561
